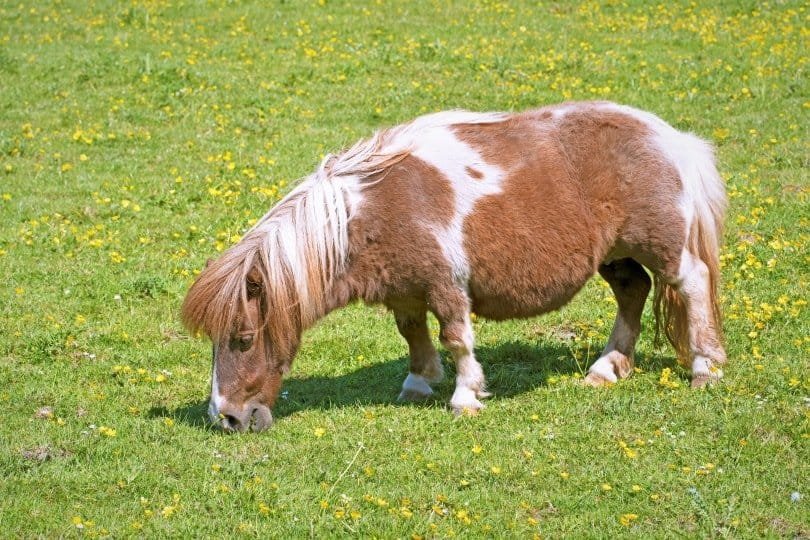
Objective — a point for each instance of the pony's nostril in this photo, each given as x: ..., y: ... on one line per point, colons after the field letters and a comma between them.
x: 261, y: 418
x: 231, y: 423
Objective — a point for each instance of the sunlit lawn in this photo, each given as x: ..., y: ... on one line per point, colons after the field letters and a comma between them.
x: 139, y: 139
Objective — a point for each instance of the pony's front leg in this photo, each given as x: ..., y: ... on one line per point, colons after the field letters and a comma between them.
x: 425, y: 365
x: 457, y: 336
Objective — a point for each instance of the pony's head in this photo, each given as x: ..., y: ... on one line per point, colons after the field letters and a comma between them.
x: 252, y: 347
x: 245, y: 381
x: 256, y: 299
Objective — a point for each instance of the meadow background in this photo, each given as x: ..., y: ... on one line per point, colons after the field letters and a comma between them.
x: 138, y: 139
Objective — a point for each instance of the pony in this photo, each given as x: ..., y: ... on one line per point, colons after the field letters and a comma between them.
x: 504, y: 215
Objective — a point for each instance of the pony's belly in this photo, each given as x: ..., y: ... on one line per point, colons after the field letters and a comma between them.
x: 511, y: 302
x: 499, y: 310
x: 522, y: 277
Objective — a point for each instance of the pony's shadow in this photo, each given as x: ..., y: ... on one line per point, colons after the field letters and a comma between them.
x: 193, y: 413
x: 512, y: 368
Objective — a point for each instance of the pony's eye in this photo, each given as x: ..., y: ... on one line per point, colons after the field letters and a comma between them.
x: 244, y: 342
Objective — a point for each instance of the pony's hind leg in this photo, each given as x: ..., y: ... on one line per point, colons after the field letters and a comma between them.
x: 425, y: 364
x: 631, y: 285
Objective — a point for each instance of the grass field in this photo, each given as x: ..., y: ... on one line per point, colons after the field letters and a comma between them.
x: 138, y: 139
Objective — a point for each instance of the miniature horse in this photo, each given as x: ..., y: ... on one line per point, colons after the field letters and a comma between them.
x: 503, y: 215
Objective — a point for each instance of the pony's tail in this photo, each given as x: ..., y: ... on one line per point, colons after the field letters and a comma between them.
x: 704, y: 197
x: 671, y: 320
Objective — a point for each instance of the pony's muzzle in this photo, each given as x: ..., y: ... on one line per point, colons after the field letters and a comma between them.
x: 253, y: 416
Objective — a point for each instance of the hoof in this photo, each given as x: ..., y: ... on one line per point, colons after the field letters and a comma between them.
x: 464, y: 402
x: 413, y: 395
x: 702, y: 380
x: 415, y: 388
x: 596, y: 381
x: 704, y: 372
x: 609, y: 368
x: 471, y: 409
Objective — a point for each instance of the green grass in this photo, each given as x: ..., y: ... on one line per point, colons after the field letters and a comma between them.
x: 138, y: 139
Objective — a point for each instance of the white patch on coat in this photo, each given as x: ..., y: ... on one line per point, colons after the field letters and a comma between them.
x: 442, y: 149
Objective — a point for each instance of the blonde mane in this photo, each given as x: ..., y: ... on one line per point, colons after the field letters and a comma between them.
x: 300, y: 246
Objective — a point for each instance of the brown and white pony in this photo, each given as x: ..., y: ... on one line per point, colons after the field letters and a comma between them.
x: 503, y: 215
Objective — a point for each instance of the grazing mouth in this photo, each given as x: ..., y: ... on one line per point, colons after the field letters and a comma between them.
x: 255, y: 418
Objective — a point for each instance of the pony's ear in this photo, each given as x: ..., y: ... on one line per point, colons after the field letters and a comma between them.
x: 254, y: 283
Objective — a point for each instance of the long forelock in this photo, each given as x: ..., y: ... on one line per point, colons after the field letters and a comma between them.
x: 216, y: 299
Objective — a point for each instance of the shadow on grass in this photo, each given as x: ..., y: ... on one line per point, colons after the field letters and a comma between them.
x: 193, y: 413
x: 511, y: 368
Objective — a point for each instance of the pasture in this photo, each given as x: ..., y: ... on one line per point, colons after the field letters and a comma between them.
x: 139, y: 139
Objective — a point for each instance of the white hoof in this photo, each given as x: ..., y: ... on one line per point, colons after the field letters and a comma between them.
x: 704, y: 372
x: 596, y: 380
x: 464, y: 401
x: 608, y: 369
x: 415, y: 388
